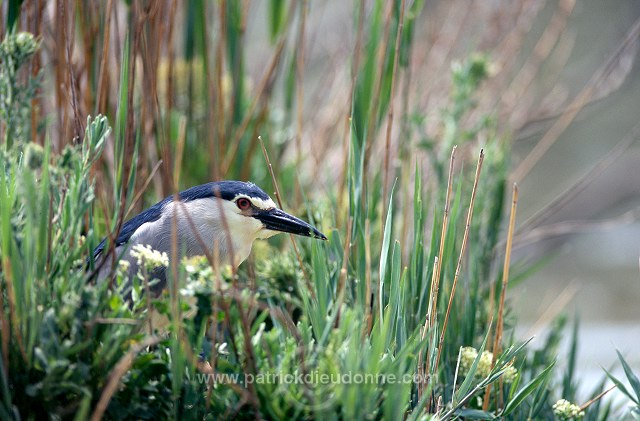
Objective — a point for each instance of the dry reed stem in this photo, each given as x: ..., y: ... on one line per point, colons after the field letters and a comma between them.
x: 182, y: 139
x: 4, y: 325
x: 147, y: 291
x: 428, y: 328
x: 387, y: 145
x: 100, y: 105
x: 300, y: 52
x: 347, y: 122
x: 173, y: 287
x: 13, y: 315
x: 463, y: 248
x: 36, y: 67
x: 60, y: 75
x: 210, y: 96
x: 432, y: 309
x: 342, y: 280
x: 597, y: 398
x: 293, y: 241
x: 263, y: 89
x: 150, y: 115
x: 113, y: 321
x: 218, y: 75
x: 374, y: 107
x: 301, y: 347
x: 367, y: 256
x: 443, y: 236
x: 78, y: 129
x: 146, y: 183
x: 430, y: 320
x: 170, y: 57
x: 503, y: 293
x: 123, y: 365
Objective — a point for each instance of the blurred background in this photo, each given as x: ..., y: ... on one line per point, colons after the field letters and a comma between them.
x: 580, y: 200
x: 594, y: 237
x: 563, y: 93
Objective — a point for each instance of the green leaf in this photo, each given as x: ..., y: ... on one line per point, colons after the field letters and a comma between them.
x: 621, y: 387
x: 529, y: 388
x: 13, y: 12
x: 633, y: 379
x: 384, y: 253
x: 278, y: 16
x: 475, y: 414
x: 83, y: 410
x: 461, y: 393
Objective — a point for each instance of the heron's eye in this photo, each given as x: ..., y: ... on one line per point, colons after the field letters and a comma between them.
x: 243, y: 203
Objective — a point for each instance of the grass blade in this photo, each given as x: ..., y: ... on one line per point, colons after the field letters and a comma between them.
x: 526, y: 390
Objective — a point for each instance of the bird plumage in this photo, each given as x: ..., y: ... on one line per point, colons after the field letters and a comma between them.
x: 220, y: 218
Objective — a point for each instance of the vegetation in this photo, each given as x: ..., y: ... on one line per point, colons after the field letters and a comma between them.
x: 401, y: 314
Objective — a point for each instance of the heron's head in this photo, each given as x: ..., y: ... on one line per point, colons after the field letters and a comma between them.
x: 246, y: 209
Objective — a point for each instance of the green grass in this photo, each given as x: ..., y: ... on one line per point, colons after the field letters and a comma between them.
x: 367, y: 325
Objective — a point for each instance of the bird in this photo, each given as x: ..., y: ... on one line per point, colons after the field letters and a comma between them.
x: 220, y: 218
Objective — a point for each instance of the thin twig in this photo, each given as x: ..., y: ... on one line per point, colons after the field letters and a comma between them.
x: 430, y: 321
x: 342, y: 280
x: 374, y: 105
x: 583, y: 182
x: 503, y: 292
x: 265, y: 82
x: 102, y: 85
x: 182, y: 137
x: 72, y: 79
x: 367, y: 257
x: 300, y: 79
x: 293, y: 241
x: 443, y: 236
x: 571, y: 227
x: 387, y: 146
x: 597, y: 398
x: 347, y: 121
x: 146, y: 183
x: 577, y: 104
x: 116, y: 374
x: 218, y: 75
x: 552, y: 310
x: 428, y: 328
x: 465, y: 239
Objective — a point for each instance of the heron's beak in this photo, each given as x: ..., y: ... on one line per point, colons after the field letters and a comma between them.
x: 278, y: 220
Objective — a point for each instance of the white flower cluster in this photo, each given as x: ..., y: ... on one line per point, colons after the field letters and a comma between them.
x: 468, y: 356
x: 122, y: 270
x: 566, y: 410
x: 510, y: 374
x: 201, y: 277
x: 148, y: 257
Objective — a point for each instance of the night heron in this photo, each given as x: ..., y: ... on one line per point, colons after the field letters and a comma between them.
x: 221, y: 219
